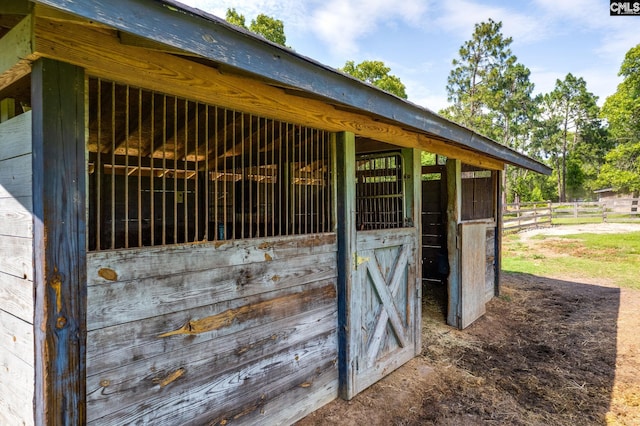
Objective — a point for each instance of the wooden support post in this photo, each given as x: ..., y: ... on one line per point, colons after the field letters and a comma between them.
x: 454, y: 197
x: 413, y: 212
x: 345, y: 154
x: 57, y: 93
x: 498, y: 236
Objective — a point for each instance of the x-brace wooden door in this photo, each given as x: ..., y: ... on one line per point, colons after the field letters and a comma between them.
x: 384, y: 304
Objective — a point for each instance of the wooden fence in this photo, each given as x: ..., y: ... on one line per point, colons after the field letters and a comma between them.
x: 518, y: 216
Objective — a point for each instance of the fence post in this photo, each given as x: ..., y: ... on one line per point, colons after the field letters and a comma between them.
x: 550, y: 212
x: 575, y: 210
x: 604, y: 211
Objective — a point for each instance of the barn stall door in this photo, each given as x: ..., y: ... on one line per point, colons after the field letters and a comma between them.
x: 473, y: 258
x: 385, y: 293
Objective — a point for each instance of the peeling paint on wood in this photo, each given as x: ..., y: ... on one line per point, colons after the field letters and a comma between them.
x: 247, y: 312
x: 171, y: 377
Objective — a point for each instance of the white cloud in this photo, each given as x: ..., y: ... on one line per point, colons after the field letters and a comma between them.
x: 459, y: 18
x: 342, y: 23
x: 617, y: 34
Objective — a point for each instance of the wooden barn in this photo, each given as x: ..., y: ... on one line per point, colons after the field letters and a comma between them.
x: 198, y: 226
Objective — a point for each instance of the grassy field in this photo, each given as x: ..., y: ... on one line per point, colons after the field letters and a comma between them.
x: 614, y: 258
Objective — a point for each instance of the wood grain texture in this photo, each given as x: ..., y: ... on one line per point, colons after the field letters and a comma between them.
x: 15, y: 136
x: 274, y: 374
x: 136, y: 383
x: 453, y: 171
x: 472, y: 271
x: 16, y: 177
x: 16, y: 44
x: 173, y: 330
x: 16, y: 219
x: 57, y: 92
x: 344, y: 160
x: 16, y: 296
x: 101, y: 53
x: 111, y: 346
x: 159, y: 261
x: 17, y: 257
x: 16, y: 390
x: 16, y: 337
x: 114, y: 303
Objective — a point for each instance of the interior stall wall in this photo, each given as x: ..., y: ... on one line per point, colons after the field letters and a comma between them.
x: 16, y: 272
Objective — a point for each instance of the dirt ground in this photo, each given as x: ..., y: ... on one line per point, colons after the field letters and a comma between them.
x: 547, y: 352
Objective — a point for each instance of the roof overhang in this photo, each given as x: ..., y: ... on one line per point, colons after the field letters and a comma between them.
x: 198, y: 33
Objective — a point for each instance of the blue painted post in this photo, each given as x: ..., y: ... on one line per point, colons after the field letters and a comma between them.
x: 57, y: 93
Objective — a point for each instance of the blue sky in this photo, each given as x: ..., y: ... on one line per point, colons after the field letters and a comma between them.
x: 418, y: 39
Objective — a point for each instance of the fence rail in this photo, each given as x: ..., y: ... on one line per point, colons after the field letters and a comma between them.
x: 518, y: 216
x: 526, y: 215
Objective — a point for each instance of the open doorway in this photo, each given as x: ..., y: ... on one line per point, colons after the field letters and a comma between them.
x: 435, y: 262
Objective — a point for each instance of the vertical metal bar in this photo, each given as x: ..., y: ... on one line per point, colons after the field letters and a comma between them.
x: 254, y: 195
x: 175, y: 169
x: 98, y: 171
x: 249, y: 208
x: 185, y: 196
x: 113, y: 162
x: 309, y: 188
x: 273, y: 178
x: 152, y: 174
x: 243, y: 178
x: 164, y: 170
x: 207, y: 176
x: 196, y: 197
x: 139, y: 167
x: 126, y: 167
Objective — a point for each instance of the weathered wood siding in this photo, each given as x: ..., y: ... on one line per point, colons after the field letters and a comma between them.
x: 16, y: 272
x: 490, y: 276
x: 238, y: 332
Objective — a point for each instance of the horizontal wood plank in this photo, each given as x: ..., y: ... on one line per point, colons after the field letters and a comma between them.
x: 16, y: 177
x: 263, y: 380
x: 16, y: 296
x: 135, y: 383
x: 113, y: 303
x: 292, y: 405
x: 108, y: 347
x: 16, y: 217
x: 370, y: 240
x: 15, y: 136
x: 16, y: 389
x: 16, y: 337
x: 17, y: 258
x: 148, y: 262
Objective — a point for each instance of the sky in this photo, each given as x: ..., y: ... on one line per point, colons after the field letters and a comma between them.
x: 418, y: 39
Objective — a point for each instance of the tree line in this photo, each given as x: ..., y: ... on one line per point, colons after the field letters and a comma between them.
x: 490, y: 92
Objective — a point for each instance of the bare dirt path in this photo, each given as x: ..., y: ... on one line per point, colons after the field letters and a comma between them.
x: 548, y: 352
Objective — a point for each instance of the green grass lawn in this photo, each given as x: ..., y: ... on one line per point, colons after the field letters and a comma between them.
x: 611, y: 257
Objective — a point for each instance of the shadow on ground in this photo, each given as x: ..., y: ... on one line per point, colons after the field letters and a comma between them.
x: 544, y: 354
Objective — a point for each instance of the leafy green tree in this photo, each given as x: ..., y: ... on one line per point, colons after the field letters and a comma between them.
x: 491, y: 93
x: 621, y: 170
x: 235, y: 18
x: 377, y: 74
x: 570, y: 112
x: 622, y: 109
x: 472, y: 82
x: 270, y: 28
